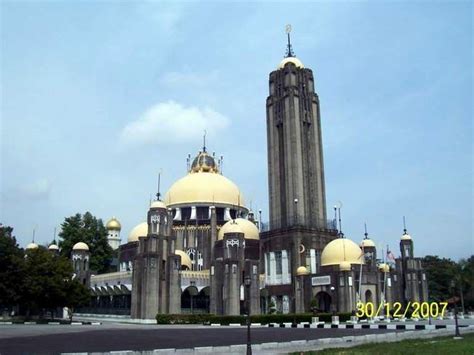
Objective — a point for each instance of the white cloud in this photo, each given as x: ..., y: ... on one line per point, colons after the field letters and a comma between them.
x: 171, y: 122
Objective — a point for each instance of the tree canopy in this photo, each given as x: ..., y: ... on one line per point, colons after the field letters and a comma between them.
x: 446, y: 278
x: 90, y: 230
x: 37, y: 279
x: 12, y: 268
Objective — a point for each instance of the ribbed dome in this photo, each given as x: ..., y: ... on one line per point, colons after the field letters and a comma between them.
x: 113, y: 224
x: 185, y: 259
x: 367, y: 243
x: 302, y: 271
x: 293, y: 60
x: 206, y: 188
x: 249, y: 229
x: 340, y: 250
x: 32, y: 246
x: 140, y: 230
x: 80, y: 246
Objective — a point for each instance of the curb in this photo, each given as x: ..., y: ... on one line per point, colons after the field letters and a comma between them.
x: 49, y: 323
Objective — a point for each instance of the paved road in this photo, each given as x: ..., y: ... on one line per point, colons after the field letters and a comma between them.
x: 53, y: 339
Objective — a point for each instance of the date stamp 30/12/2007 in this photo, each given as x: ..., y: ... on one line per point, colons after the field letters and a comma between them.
x: 398, y: 310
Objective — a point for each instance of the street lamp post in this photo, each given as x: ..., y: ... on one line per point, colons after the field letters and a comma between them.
x: 248, y: 281
x: 457, y: 335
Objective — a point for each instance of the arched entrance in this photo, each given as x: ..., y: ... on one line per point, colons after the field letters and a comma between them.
x: 194, y: 301
x: 264, y: 301
x: 323, y: 301
x: 368, y: 296
x: 187, y: 299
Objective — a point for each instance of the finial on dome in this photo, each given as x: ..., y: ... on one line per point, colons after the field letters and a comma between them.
x: 404, y: 226
x: 204, y: 142
x: 366, y: 234
x: 337, y: 213
x: 289, y: 48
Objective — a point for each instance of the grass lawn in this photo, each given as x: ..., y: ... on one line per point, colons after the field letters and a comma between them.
x: 441, y: 345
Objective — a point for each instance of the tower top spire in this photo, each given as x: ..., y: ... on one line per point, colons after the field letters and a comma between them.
x: 289, y: 48
x: 204, y: 142
x: 158, y: 194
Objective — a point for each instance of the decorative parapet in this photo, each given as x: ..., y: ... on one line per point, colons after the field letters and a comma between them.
x: 112, y: 278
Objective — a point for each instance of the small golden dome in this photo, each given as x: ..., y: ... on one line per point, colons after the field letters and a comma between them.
x: 405, y: 236
x: 340, y: 250
x: 158, y: 204
x: 113, y: 224
x: 140, y: 230
x: 249, y: 229
x: 204, y: 187
x: 32, y: 246
x: 80, y: 246
x: 231, y: 227
x: 293, y: 60
x: 204, y: 163
x: 302, y: 271
x: 53, y: 247
x: 345, y: 266
x: 185, y: 259
x: 384, y: 267
x: 367, y: 243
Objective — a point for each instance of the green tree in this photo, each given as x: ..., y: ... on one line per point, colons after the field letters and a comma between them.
x: 439, y: 272
x: 49, y: 284
x: 77, y: 295
x: 12, y: 268
x: 90, y: 230
x: 464, y: 279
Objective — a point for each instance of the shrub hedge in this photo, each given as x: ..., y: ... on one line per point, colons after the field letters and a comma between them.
x: 258, y: 318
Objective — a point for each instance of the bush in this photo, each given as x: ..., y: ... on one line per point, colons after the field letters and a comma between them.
x: 258, y: 318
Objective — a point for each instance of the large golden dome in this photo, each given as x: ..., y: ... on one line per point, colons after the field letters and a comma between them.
x: 341, y: 250
x: 204, y: 187
x: 249, y: 229
x: 140, y: 230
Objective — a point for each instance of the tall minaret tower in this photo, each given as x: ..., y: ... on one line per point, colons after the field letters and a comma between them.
x: 298, y: 227
x: 295, y: 153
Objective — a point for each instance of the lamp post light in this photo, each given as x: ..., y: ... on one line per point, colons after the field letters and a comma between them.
x: 247, y: 282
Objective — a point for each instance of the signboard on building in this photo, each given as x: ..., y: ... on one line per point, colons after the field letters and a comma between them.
x: 321, y: 280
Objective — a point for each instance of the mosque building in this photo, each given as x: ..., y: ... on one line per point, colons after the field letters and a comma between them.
x: 200, y: 244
